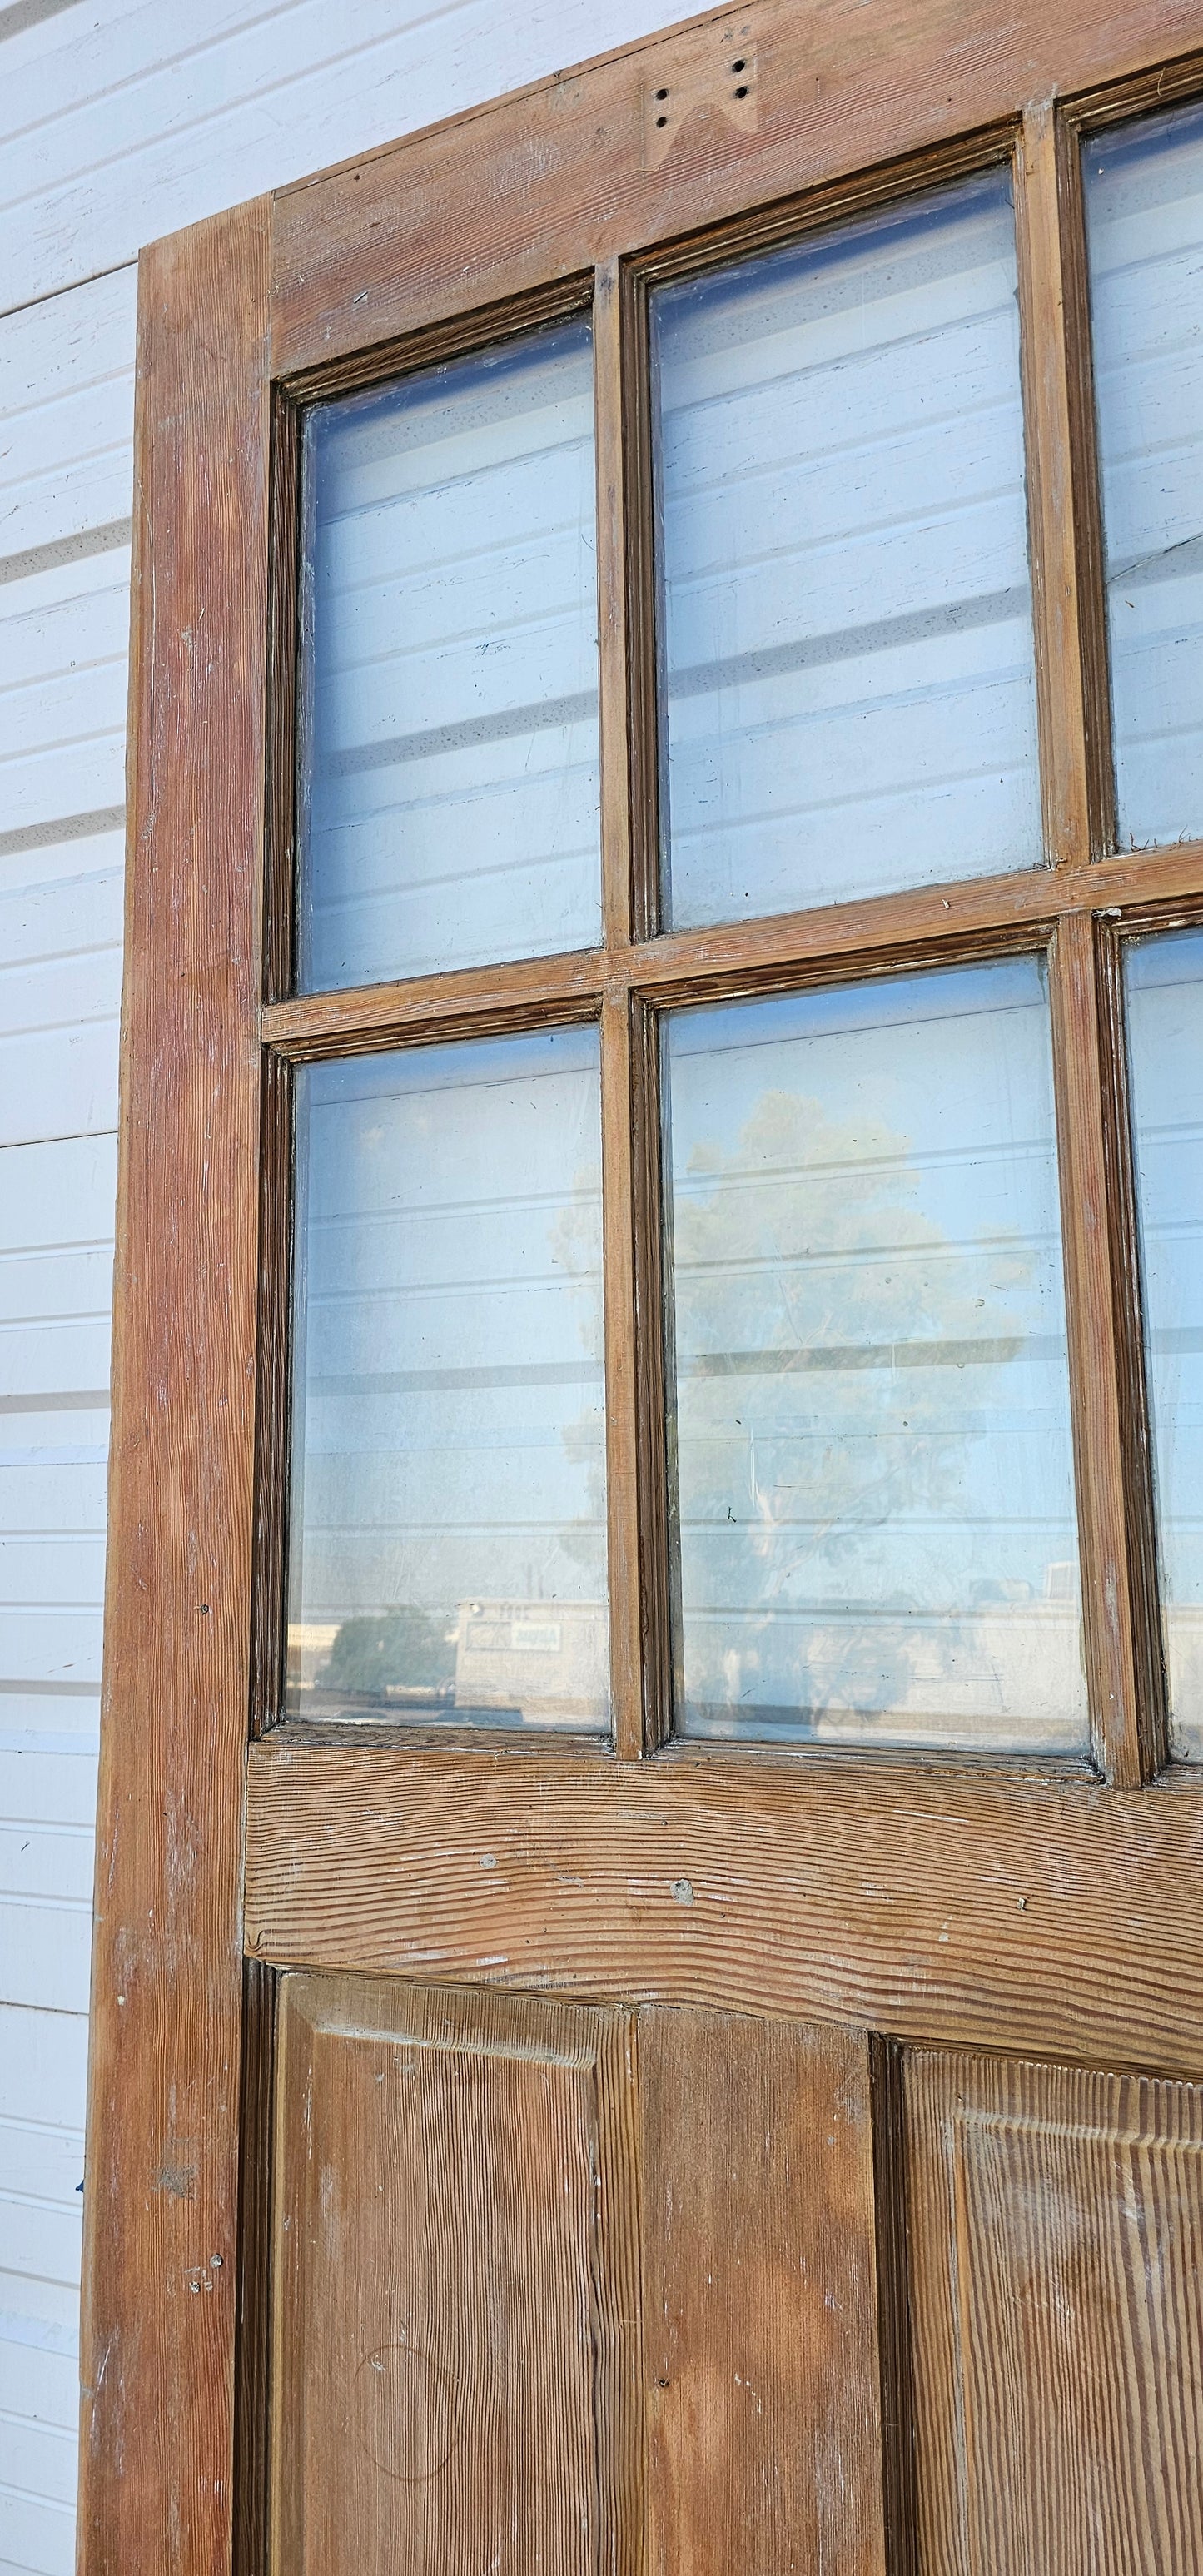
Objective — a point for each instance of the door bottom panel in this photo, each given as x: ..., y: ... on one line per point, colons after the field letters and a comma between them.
x: 566, y: 2289
x: 1056, y: 2245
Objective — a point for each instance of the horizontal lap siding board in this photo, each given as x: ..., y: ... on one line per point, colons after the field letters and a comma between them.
x: 66, y: 400
x: 60, y: 994
x: 66, y: 404
x: 42, y: 2068
x: 63, y: 645
x: 121, y: 126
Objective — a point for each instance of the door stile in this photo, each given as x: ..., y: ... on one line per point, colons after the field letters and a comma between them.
x: 161, y: 2242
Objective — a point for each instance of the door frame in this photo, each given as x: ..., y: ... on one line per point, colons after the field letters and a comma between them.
x: 451, y: 234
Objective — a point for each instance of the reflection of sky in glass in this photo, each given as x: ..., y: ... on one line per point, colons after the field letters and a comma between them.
x: 450, y: 754
x: 449, y: 1479
x: 847, y: 626
x: 1165, y: 1041
x: 1144, y: 204
x: 876, y: 1511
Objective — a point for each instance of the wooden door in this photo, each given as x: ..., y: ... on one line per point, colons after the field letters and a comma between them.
x: 649, y: 1953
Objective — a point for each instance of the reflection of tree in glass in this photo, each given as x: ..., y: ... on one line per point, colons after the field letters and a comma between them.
x: 823, y: 1324
x: 406, y: 1648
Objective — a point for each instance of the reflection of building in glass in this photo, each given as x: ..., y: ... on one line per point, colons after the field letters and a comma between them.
x: 510, y: 1663
x: 510, y: 1654
x: 998, y: 1674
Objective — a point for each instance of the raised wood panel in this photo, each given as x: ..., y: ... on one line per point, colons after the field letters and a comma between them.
x: 1049, y: 1917
x: 1056, y: 2233
x: 455, y: 2333
x: 760, y: 2327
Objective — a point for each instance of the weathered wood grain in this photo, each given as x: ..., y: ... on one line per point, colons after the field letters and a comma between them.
x: 556, y: 176
x: 623, y: 1537
x: 455, y: 2344
x: 760, y: 2296
x: 1055, y: 2220
x: 1050, y: 1916
x: 1106, y: 1507
x: 940, y: 922
x: 160, y: 2273
x: 1072, y: 814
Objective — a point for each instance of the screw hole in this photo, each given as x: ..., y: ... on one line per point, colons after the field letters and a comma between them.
x: 662, y: 93
x: 662, y: 120
x: 738, y: 67
x: 742, y: 91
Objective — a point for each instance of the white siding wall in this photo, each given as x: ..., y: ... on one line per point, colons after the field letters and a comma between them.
x: 117, y: 123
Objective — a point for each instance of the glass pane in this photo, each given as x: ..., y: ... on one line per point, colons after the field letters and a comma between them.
x: 1165, y: 1042
x: 449, y: 748
x: 1144, y: 203
x: 851, y: 697
x: 877, y: 1538
x: 448, y: 1500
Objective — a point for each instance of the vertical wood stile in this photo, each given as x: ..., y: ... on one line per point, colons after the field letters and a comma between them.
x: 162, y: 2208
x: 1120, y: 1732
x: 1066, y: 591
